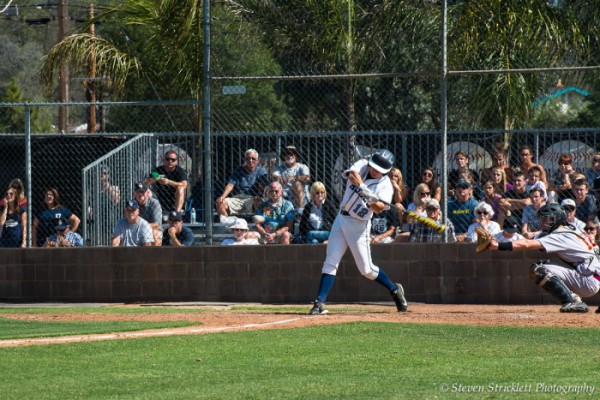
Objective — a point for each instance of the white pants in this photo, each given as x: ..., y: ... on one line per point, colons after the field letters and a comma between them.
x: 349, y: 232
x: 584, y: 286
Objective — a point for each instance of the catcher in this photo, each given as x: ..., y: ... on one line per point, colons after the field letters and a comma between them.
x: 575, y: 275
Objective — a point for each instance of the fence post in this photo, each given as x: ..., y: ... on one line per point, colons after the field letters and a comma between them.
x: 206, y: 120
x: 28, y: 170
x: 444, y: 115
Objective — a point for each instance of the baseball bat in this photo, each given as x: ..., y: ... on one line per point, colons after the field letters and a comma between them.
x: 430, y: 222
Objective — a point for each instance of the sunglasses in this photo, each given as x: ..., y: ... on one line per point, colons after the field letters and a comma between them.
x: 323, y: 193
x: 427, y: 174
x: 431, y: 209
x: 589, y: 229
x: 525, y: 155
x: 596, y: 160
x: 569, y: 209
x: 171, y: 159
x: 425, y: 194
x: 251, y: 158
x: 482, y: 212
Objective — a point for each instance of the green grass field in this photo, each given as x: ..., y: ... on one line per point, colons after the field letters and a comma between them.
x: 347, y: 361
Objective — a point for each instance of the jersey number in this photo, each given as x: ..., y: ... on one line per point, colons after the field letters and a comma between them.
x: 360, y: 210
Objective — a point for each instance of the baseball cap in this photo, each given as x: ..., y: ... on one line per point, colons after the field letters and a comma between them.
x: 240, y: 223
x: 463, y: 183
x: 175, y: 216
x: 568, y: 203
x: 61, y: 225
x: 432, y: 203
x: 140, y: 187
x: 511, y: 224
x: 290, y: 150
x: 131, y: 204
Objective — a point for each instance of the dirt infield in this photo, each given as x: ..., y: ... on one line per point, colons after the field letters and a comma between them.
x: 215, y: 319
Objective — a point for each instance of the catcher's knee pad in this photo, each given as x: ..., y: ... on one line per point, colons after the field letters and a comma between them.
x: 539, y: 273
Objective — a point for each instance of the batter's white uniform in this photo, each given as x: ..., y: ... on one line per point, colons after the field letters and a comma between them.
x: 352, y: 226
x: 581, y: 268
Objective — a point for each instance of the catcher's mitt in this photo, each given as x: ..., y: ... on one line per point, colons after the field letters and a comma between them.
x: 484, y: 239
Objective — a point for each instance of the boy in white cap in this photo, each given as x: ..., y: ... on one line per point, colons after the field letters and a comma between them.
x: 241, y: 234
x: 570, y: 207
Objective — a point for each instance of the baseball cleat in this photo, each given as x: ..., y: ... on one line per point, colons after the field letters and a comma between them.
x: 318, y: 308
x: 574, y: 308
x: 598, y: 310
x: 399, y: 298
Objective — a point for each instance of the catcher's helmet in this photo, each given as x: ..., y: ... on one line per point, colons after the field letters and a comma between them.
x: 382, y: 161
x: 558, y: 215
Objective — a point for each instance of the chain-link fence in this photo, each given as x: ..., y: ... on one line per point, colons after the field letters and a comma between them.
x: 334, y: 103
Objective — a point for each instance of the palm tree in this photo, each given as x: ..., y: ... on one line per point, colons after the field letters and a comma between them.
x: 504, y: 35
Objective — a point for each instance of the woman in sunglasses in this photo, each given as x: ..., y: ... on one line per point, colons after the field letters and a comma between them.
x: 484, y: 214
x: 591, y: 228
x: 429, y: 178
x: 13, y: 221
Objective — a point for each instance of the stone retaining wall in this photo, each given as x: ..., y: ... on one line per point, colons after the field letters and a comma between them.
x: 451, y: 273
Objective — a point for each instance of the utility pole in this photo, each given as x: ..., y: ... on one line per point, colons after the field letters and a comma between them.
x: 91, y: 79
x: 63, y: 76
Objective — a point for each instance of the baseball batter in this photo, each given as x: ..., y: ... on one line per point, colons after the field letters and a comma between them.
x: 577, y: 274
x: 367, y: 182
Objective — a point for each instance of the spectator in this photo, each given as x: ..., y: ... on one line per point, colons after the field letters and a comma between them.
x: 278, y: 215
x: 531, y: 224
x: 476, y: 190
x: 485, y: 213
x: 317, y: 216
x: 13, y: 220
x: 295, y: 178
x: 498, y: 161
x: 18, y: 185
x: 492, y: 198
x: 586, y: 206
x: 514, y: 201
x: 401, y: 192
x: 560, y: 188
x: 596, y: 190
x: 569, y: 207
x: 384, y: 226
x: 246, y: 184
x: 526, y: 157
x: 462, y: 165
x: 132, y: 230
x: 500, y: 180
x: 170, y: 183
x: 45, y: 219
x: 63, y: 237
x: 429, y: 177
x: 112, y: 193
x: 591, y: 228
x: 510, y: 232
x: 241, y: 234
x: 177, y: 234
x: 421, y: 196
x: 534, y: 182
x: 461, y: 209
x: 421, y: 233
x: 594, y: 172
x: 150, y: 210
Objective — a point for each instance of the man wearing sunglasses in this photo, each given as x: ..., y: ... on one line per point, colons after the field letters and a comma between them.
x: 576, y: 272
x: 170, y: 183
x: 246, y: 185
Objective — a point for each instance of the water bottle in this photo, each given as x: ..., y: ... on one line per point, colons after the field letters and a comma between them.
x: 193, y: 215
